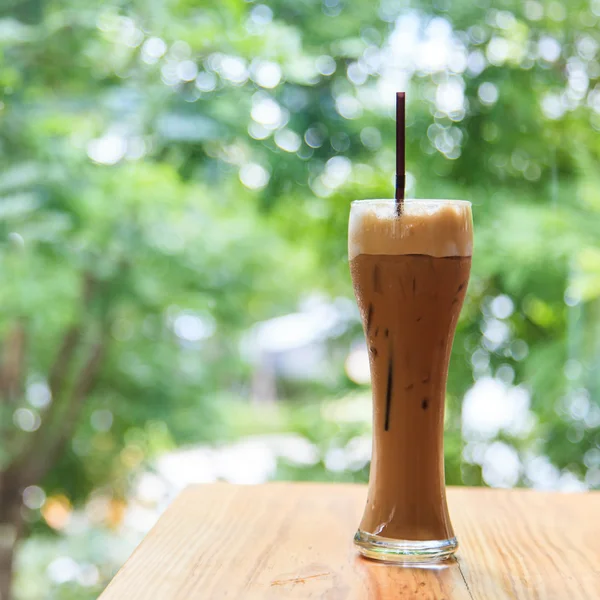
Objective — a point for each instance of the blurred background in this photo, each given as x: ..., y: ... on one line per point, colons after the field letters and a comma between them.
x: 176, y: 307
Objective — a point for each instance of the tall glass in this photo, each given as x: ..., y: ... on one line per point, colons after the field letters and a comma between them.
x: 410, y: 273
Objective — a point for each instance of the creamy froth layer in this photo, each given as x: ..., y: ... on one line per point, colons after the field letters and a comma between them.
x: 431, y: 227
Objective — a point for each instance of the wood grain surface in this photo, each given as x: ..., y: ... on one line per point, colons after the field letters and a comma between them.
x: 293, y: 540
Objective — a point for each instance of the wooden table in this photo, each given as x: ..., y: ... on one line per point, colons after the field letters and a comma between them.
x: 291, y: 540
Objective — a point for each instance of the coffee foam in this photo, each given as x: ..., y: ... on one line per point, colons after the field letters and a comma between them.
x: 430, y: 227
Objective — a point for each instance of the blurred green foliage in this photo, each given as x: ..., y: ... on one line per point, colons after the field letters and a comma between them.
x: 162, y: 160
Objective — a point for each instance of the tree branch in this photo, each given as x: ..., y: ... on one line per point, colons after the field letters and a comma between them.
x: 60, y: 369
x: 39, y: 462
x: 26, y: 445
x: 58, y: 381
x: 12, y: 372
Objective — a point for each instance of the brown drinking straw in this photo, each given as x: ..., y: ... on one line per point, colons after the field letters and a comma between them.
x: 400, y: 151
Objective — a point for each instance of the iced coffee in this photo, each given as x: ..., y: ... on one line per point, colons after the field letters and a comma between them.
x: 410, y: 272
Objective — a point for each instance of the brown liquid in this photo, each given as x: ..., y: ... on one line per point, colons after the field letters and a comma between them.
x: 409, y: 305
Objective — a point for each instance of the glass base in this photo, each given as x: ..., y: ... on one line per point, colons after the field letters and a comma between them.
x: 404, y: 551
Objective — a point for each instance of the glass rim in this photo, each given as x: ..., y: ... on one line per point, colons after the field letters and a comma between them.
x: 412, y: 201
